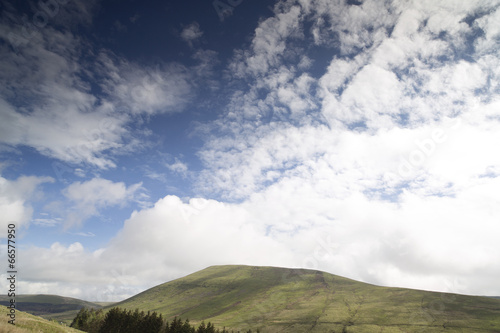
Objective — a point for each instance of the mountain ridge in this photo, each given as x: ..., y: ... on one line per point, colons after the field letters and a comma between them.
x: 48, y: 306
x: 274, y: 299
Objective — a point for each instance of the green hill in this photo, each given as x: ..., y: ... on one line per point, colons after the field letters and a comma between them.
x: 294, y: 300
x: 58, y: 308
x: 27, y: 323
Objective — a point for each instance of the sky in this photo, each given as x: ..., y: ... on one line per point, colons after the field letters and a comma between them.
x: 141, y: 141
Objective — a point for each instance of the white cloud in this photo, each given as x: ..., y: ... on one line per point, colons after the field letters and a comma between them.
x: 155, y: 175
x: 142, y: 90
x: 15, y: 197
x: 304, y: 220
x: 208, y: 230
x: 351, y: 28
x: 89, y: 197
x: 178, y: 167
x: 47, y: 222
x: 241, y: 170
x: 394, y: 81
x: 491, y: 28
x: 191, y: 33
x: 79, y: 172
x: 84, y: 234
x: 420, y: 235
x: 47, y: 104
x: 63, y: 132
x: 373, y: 96
x: 268, y: 45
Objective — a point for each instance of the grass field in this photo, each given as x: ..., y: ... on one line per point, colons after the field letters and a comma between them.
x: 286, y: 300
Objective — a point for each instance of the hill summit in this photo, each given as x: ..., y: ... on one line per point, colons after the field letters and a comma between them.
x: 274, y: 299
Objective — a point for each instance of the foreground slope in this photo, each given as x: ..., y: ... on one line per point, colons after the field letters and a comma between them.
x: 27, y: 323
x: 293, y: 300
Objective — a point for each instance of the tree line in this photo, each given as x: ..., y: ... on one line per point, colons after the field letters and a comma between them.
x: 119, y: 320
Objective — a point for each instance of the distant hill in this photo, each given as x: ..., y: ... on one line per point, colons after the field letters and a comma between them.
x: 50, y: 306
x: 275, y: 299
x: 26, y: 323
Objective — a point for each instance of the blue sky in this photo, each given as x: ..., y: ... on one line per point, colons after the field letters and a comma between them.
x: 142, y: 141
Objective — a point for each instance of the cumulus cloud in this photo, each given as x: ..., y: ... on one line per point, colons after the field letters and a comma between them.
x: 208, y: 230
x: 297, y: 222
x: 191, y: 33
x: 15, y: 197
x: 89, y: 197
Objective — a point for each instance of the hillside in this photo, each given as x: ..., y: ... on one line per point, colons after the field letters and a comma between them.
x: 293, y: 300
x: 50, y: 306
x: 27, y: 323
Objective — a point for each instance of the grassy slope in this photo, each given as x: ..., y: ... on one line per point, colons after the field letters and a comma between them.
x: 59, y: 308
x: 27, y: 323
x: 287, y: 300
